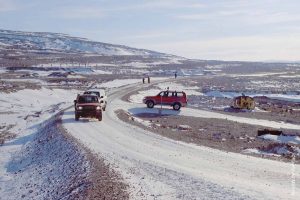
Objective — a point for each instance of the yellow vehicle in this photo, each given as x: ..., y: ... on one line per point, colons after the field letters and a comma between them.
x: 243, y: 102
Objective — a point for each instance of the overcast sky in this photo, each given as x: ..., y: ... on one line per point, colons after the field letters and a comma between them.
x: 255, y: 30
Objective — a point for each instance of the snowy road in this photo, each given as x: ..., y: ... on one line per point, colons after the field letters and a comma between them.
x: 161, y: 168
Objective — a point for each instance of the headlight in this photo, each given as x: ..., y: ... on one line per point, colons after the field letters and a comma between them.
x: 98, y: 108
x: 79, y: 107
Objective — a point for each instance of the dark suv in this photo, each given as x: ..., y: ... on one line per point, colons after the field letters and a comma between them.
x: 87, y: 105
x: 172, y: 98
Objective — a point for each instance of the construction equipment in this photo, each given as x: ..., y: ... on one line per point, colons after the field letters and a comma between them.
x: 243, y: 102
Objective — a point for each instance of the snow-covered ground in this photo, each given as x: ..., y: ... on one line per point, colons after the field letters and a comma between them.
x: 138, y: 98
x: 258, y: 74
x: 27, y: 105
x: 98, y: 71
x: 118, y: 83
x: 122, y: 82
x: 43, y: 167
x: 275, y: 150
x: 190, y: 90
x: 156, y: 167
x: 282, y: 138
x: 140, y: 108
x: 290, y: 76
x: 24, y: 111
x: 161, y: 168
x: 192, y: 72
x: 56, y: 42
x: 260, y: 152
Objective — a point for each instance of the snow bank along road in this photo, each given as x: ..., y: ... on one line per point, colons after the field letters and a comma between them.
x: 161, y: 168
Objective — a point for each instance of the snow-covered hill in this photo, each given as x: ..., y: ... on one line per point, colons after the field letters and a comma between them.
x: 44, y: 42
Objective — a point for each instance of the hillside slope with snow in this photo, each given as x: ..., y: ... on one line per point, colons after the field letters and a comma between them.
x: 63, y: 43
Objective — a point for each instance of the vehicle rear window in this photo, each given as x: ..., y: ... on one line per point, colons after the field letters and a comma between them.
x: 92, y: 92
x: 88, y: 99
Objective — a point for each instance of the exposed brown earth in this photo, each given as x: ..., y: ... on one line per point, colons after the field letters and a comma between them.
x: 5, y: 134
x: 215, y: 133
x: 102, y: 181
x: 14, y: 86
x: 56, y: 166
x: 287, y: 117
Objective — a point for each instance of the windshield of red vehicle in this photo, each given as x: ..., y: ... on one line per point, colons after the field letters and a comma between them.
x: 88, y: 99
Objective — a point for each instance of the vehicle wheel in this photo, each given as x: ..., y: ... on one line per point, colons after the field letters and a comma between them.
x: 176, y: 106
x: 103, y: 108
x: 76, y: 117
x: 100, y: 117
x: 150, y: 104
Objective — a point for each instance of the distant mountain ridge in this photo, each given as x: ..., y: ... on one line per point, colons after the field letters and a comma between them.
x: 45, y: 42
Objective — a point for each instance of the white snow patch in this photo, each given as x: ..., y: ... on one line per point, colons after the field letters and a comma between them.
x: 119, y: 82
x: 193, y: 72
x: 212, y: 70
x: 75, y: 76
x: 184, y: 127
x: 139, y: 64
x: 290, y: 76
x: 138, y: 98
x: 122, y: 82
x: 98, y: 71
x: 281, y: 138
x: 24, y: 110
x: 257, y: 151
x: 189, y: 90
x: 3, y: 70
x: 258, y: 74
x: 144, y: 122
x: 276, y: 151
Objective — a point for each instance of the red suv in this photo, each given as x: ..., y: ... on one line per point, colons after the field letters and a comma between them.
x: 172, y: 98
x: 87, y: 105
